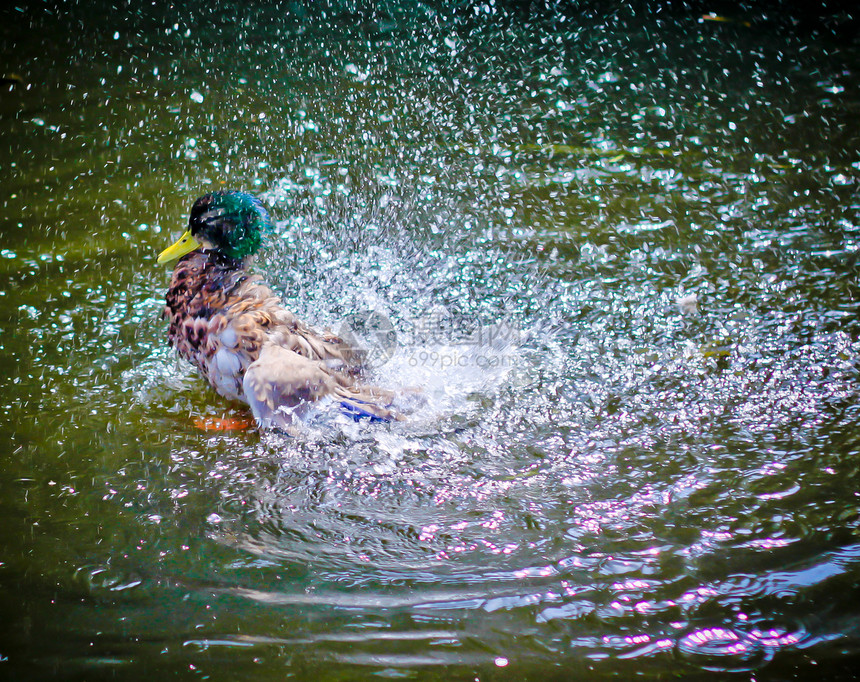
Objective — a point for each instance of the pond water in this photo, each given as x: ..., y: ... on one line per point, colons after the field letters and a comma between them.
x: 614, y: 254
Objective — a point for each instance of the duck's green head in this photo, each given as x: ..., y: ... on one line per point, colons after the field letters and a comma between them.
x: 228, y: 221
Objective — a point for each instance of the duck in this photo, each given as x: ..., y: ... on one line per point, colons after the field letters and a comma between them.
x: 229, y: 324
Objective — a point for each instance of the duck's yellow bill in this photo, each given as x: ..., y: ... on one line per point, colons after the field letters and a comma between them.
x: 186, y: 244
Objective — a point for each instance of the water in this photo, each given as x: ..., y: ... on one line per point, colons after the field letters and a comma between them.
x: 618, y: 252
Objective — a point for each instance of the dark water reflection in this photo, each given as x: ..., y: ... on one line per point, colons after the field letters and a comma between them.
x: 647, y: 465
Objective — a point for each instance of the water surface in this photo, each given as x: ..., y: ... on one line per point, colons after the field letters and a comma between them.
x: 618, y: 252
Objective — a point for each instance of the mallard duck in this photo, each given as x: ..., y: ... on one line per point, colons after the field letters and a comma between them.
x: 233, y: 328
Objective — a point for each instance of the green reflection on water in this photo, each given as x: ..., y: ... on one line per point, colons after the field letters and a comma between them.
x: 647, y: 490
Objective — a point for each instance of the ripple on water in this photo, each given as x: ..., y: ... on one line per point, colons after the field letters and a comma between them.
x: 629, y: 315
x: 598, y: 477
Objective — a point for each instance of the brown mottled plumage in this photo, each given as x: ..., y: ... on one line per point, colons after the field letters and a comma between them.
x: 233, y: 328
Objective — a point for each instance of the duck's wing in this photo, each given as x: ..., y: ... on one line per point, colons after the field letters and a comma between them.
x: 283, y: 328
x: 280, y: 384
x: 337, y: 355
x: 280, y: 381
